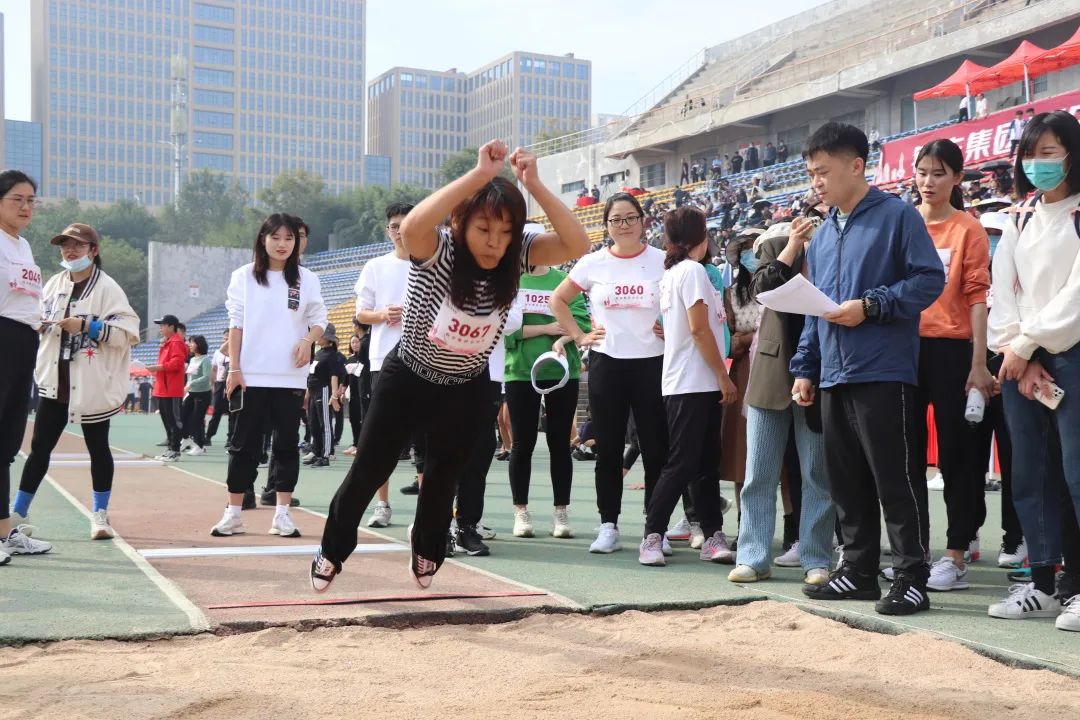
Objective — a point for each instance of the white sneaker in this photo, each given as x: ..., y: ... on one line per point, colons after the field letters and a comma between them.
x: 665, y: 547
x: 322, y: 573
x: 99, y: 526
x: 485, y: 532
x: 936, y: 483
x: 1015, y: 558
x: 607, y: 539
x: 790, y: 558
x: 186, y: 444
x: 717, y: 550
x: 228, y: 525
x: 283, y: 526
x: 4, y: 557
x: 1069, y: 619
x: 308, y: 458
x: 560, y: 524
x: 680, y: 532
x: 21, y: 522
x: 1025, y: 601
x: 380, y: 517
x: 697, y: 536
x: 972, y: 554
x: 946, y: 575
x: 651, y: 552
x: 19, y: 544
x: 523, y: 526
x: 197, y: 450
x: 168, y: 456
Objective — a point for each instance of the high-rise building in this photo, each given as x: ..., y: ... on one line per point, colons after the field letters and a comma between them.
x: 419, y: 118
x: 377, y: 171
x: 22, y: 149
x: 248, y: 88
x: 3, y: 141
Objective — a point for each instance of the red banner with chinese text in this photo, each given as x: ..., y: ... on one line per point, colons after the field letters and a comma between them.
x: 981, y: 140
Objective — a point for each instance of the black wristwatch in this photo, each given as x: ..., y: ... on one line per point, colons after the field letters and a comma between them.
x: 871, y: 308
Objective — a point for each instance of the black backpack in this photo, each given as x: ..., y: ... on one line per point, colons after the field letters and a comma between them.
x: 1022, y: 213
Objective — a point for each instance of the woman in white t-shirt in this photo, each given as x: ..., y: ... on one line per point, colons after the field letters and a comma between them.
x: 276, y: 313
x: 463, y: 280
x: 625, y: 357
x: 695, y: 387
x: 20, y: 317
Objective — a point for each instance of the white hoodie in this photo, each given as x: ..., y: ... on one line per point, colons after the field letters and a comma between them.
x: 274, y: 317
x: 1036, y: 282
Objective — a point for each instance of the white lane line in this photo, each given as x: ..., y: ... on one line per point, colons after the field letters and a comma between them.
x: 195, y: 616
x: 193, y: 552
x: 116, y: 462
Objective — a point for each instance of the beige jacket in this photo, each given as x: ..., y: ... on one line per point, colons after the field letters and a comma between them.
x: 100, y: 358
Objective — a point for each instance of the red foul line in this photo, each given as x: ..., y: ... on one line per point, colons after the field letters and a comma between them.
x: 368, y: 600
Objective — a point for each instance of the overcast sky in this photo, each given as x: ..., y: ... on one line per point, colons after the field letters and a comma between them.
x: 633, y: 44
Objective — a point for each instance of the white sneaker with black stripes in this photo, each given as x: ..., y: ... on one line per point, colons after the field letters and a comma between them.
x: 1025, y: 601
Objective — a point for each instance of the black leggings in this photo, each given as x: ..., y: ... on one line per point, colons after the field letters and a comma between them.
x: 524, y: 404
x: 617, y: 387
x: 470, y: 493
x: 194, y: 414
x: 404, y: 403
x: 49, y: 424
x: 20, y: 344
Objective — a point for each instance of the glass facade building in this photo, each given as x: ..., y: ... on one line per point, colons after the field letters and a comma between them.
x: 419, y: 118
x: 270, y: 85
x: 22, y: 150
x: 377, y: 170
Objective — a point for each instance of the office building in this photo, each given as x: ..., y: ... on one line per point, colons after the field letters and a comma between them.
x: 23, y: 149
x: 419, y: 118
x: 248, y: 88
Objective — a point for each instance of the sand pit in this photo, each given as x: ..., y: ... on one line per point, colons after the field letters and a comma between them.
x: 763, y: 660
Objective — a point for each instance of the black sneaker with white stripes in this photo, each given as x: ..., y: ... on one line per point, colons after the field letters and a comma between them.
x: 845, y: 583
x: 907, y: 596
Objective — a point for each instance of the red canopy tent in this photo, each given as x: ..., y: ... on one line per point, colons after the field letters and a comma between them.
x: 1064, y: 55
x: 1023, y: 64
x: 962, y: 82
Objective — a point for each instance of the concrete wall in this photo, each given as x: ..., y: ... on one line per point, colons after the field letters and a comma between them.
x: 186, y: 280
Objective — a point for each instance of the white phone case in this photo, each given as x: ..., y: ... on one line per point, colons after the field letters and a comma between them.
x: 1054, y: 399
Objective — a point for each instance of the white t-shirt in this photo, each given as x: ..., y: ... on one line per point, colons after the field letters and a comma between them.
x: 383, y: 281
x: 685, y: 370
x: 222, y: 364
x: 20, y: 279
x: 624, y: 296
x: 497, y: 361
x: 274, y: 317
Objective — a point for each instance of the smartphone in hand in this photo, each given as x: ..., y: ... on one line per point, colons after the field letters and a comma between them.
x: 236, y: 400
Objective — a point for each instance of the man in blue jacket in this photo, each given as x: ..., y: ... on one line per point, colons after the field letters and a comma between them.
x: 874, y: 257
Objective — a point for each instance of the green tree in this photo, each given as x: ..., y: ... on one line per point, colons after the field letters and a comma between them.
x: 369, y: 206
x: 127, y: 266
x: 124, y: 220
x: 462, y: 162
x: 207, y: 203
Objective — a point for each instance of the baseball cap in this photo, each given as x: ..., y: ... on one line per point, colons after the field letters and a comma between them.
x: 330, y: 333
x: 77, y: 231
x: 167, y: 320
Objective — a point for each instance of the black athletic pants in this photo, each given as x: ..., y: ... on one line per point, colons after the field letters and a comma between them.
x: 944, y: 365
x: 473, y: 482
x: 693, y: 422
x: 559, y: 406
x: 172, y: 417
x: 404, y: 402
x: 194, y: 414
x: 221, y: 409
x: 49, y: 424
x: 278, y: 408
x: 20, y: 343
x: 617, y: 387
x: 320, y: 417
x: 356, y: 408
x: 872, y: 453
x: 415, y: 439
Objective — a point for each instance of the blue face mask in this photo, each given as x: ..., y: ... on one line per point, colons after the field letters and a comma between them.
x: 77, y: 265
x: 1045, y: 174
x: 994, y: 239
x: 748, y: 260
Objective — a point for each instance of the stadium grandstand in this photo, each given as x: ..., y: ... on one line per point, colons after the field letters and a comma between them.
x: 775, y: 85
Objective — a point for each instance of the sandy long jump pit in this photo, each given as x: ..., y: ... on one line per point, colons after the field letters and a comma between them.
x: 760, y: 660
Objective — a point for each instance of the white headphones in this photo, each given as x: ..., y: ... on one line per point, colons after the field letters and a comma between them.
x: 550, y: 356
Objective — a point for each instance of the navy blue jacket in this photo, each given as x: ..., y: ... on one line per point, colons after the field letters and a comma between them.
x: 884, y: 252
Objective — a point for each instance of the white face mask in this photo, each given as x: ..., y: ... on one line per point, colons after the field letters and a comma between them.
x: 550, y: 356
x: 78, y: 264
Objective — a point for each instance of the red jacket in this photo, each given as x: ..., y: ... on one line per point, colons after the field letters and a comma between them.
x: 172, y: 357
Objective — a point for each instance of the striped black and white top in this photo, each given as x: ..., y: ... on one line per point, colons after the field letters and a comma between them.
x: 429, y: 285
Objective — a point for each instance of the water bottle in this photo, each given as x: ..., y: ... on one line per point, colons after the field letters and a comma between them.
x: 976, y: 407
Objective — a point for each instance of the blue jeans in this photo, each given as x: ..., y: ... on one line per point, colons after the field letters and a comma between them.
x: 1046, y: 444
x: 766, y: 440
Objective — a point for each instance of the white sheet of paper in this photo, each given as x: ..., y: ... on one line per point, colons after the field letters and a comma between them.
x: 797, y: 296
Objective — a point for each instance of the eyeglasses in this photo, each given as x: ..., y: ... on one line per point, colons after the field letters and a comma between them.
x: 625, y: 222
x: 394, y: 228
x: 75, y: 244
x: 21, y: 201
